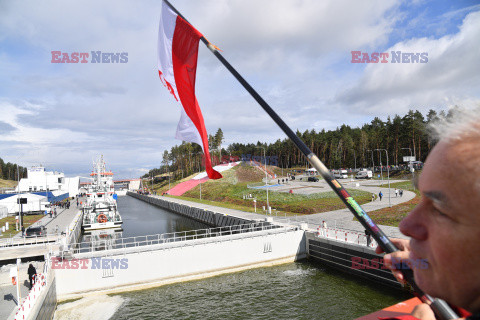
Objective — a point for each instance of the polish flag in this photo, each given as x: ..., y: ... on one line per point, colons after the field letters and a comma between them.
x: 177, y: 67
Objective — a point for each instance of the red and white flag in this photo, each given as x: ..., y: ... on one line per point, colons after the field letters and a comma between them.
x: 177, y: 67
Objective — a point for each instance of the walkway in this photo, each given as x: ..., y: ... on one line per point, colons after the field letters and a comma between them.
x: 8, y: 292
x: 185, y: 186
x: 63, y: 219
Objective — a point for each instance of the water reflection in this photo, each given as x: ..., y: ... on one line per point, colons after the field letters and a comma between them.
x: 141, y: 219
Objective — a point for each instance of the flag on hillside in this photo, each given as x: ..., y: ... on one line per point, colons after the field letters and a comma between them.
x: 177, y: 67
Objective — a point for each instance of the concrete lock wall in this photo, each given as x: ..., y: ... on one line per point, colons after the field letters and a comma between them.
x: 354, y: 259
x: 205, y: 216
x: 173, y: 262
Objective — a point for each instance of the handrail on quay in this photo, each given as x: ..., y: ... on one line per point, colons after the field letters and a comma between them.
x: 181, y: 236
x: 33, y: 240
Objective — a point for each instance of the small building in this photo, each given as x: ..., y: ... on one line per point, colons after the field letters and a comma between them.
x: 50, y: 184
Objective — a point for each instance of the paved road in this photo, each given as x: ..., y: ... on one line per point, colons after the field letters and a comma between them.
x: 63, y: 219
x: 343, y: 218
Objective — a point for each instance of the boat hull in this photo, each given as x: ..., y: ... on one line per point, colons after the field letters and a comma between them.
x: 103, y: 225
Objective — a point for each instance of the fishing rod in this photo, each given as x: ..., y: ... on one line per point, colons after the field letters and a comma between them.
x: 441, y: 309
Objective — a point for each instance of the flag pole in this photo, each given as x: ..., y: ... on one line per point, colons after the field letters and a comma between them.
x: 440, y: 307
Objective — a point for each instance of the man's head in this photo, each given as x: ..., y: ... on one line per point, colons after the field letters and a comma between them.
x: 445, y: 226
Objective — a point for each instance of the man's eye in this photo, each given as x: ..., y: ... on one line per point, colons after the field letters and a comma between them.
x: 438, y: 212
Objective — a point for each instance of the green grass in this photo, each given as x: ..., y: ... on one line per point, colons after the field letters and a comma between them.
x: 404, y: 185
x: 7, y: 183
x: 28, y: 220
x: 229, y: 192
x: 392, y: 216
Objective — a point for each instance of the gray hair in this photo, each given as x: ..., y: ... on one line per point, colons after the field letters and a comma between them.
x: 459, y: 125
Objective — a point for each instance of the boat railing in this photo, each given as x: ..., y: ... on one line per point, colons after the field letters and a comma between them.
x: 174, y: 237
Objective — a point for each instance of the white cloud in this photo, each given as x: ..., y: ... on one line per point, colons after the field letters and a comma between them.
x: 294, y: 53
x: 452, y: 73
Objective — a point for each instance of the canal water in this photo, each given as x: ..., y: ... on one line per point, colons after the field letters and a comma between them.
x: 300, y: 290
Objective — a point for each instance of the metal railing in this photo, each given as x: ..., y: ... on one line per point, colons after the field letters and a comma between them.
x: 183, y: 236
x: 21, y: 241
x: 346, y: 236
x: 340, y: 234
x: 41, y: 282
x: 74, y: 229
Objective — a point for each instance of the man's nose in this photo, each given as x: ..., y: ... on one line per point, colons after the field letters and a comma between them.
x: 414, y: 225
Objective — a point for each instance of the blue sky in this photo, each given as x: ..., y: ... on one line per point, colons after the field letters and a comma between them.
x: 296, y: 54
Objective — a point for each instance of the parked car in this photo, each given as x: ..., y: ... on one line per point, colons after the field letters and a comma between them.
x: 313, y: 179
x: 36, y: 231
x: 364, y: 174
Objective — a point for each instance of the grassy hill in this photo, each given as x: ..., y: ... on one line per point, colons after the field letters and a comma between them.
x: 7, y: 183
x: 230, y: 192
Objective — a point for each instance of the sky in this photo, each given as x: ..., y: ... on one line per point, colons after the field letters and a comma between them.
x: 296, y: 53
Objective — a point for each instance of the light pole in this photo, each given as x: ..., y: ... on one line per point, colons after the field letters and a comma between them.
x: 388, y: 175
x: 373, y: 163
x: 168, y: 165
x: 355, y: 159
x: 381, y: 165
x: 266, y: 176
x: 199, y: 170
x: 20, y: 215
x: 151, y: 177
x: 411, y: 166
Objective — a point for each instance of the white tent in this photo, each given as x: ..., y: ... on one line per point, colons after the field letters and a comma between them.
x: 34, y: 203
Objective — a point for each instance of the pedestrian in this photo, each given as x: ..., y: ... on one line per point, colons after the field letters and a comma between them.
x: 369, y: 238
x: 373, y: 197
x: 31, y: 275
x: 443, y: 234
x: 396, y: 192
x: 324, y: 227
x: 401, y: 193
x: 380, y: 195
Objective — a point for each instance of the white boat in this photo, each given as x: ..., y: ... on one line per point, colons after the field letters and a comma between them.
x: 100, y: 209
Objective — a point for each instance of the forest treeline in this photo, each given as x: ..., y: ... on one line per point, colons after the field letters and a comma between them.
x: 8, y: 171
x: 345, y: 147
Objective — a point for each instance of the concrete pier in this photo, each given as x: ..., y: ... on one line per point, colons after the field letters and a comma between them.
x: 211, y: 215
x: 148, y: 265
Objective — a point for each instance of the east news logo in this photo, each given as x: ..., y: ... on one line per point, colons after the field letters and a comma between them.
x: 96, y: 57
x: 395, y: 57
